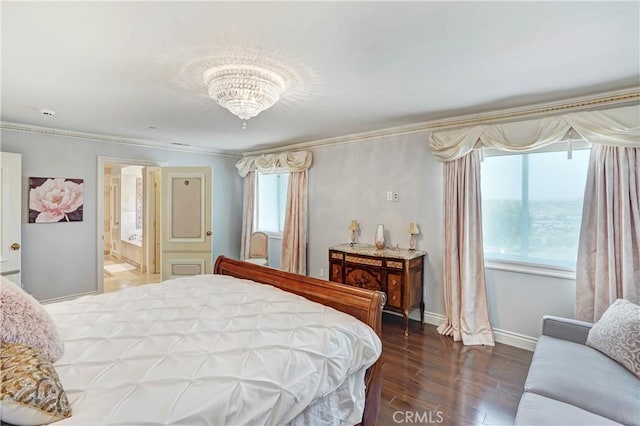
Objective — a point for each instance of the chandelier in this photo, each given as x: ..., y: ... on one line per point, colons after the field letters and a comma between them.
x: 245, y: 90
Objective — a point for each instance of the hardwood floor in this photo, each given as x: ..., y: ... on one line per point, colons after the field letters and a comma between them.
x: 429, y: 379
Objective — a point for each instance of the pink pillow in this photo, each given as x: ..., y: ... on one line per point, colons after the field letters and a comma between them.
x: 25, y: 321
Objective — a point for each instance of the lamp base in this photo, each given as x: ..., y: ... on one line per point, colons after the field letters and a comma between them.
x: 412, y: 242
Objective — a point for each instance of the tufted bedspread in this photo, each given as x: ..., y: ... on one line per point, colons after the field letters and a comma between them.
x: 211, y: 350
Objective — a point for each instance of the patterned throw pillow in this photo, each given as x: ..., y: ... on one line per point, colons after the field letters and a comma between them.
x: 617, y: 334
x: 30, y: 390
x: 24, y: 320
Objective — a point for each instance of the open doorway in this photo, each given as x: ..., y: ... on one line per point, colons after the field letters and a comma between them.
x: 129, y: 215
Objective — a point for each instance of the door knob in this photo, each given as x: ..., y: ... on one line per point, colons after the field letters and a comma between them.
x: 15, y: 246
x: 208, y: 233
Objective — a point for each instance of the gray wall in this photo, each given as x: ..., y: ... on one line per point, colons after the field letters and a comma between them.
x: 350, y: 181
x: 60, y: 260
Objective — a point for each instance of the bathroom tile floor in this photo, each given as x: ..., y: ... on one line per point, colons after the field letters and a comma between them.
x: 119, y: 280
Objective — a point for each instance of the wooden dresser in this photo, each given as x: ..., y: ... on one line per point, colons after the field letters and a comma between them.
x: 397, y: 272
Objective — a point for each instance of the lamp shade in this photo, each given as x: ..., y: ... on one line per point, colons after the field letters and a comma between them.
x: 353, y: 226
x: 413, y: 228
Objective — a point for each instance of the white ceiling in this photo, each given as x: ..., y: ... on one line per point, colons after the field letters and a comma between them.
x: 118, y: 68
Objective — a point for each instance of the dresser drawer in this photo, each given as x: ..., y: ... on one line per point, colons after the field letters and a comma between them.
x: 394, y: 290
x: 363, y: 277
x: 336, y: 273
x: 395, y: 264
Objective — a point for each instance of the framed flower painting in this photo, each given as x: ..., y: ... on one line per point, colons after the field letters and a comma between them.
x: 55, y: 200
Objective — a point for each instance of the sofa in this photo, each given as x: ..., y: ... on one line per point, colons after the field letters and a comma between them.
x: 570, y: 383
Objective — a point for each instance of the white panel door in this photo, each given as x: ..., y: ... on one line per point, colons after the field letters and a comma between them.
x: 10, y: 208
x: 186, y: 221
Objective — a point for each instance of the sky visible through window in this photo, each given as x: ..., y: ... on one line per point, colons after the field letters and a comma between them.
x: 532, y: 206
x: 271, y: 202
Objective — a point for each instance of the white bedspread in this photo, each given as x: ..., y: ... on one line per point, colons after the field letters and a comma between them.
x: 208, y: 350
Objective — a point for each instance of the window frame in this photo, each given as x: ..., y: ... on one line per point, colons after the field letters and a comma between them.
x: 533, y: 267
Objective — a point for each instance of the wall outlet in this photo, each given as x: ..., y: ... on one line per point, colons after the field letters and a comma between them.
x: 322, y: 272
x: 396, y: 197
x: 389, y: 195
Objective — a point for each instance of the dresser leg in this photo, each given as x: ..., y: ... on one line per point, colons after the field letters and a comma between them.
x: 406, y: 323
x: 421, y: 315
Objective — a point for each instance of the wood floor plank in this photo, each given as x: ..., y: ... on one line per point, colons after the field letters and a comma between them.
x: 429, y: 379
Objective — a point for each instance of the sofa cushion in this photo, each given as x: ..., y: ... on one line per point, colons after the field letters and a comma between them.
x: 537, y: 410
x: 579, y: 375
x: 617, y: 334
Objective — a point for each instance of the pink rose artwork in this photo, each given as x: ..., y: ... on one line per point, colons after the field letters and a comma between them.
x: 55, y: 200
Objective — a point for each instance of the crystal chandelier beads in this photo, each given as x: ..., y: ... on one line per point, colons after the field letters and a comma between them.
x: 245, y: 90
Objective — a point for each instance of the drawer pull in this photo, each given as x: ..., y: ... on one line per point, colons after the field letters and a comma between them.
x: 394, y: 282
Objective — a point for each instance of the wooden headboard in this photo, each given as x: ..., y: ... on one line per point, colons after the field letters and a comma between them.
x: 365, y: 305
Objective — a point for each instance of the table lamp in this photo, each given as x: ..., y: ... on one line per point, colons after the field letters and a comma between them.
x: 353, y: 226
x: 413, y: 231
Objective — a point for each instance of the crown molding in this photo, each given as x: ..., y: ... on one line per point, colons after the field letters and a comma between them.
x: 27, y: 128
x: 607, y: 99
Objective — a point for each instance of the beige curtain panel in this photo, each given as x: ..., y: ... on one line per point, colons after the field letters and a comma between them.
x: 615, y: 127
x: 294, y: 237
x: 467, y: 316
x: 275, y: 163
x: 247, y: 214
x: 608, y: 266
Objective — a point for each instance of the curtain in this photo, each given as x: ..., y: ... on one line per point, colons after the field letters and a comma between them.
x: 617, y: 127
x: 247, y: 214
x: 275, y: 163
x: 294, y: 236
x: 467, y: 316
x: 608, y: 266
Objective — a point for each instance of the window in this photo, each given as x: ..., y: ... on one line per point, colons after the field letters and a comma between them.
x: 532, y: 207
x: 271, y: 202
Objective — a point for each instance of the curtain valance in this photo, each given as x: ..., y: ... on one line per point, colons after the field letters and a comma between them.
x: 275, y: 163
x: 616, y: 127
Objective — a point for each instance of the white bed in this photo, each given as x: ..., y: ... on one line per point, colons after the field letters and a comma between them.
x: 211, y: 350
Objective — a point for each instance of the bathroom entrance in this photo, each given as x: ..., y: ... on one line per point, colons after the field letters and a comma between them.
x: 131, y: 243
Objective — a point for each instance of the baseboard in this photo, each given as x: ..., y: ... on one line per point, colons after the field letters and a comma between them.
x: 433, y: 318
x: 130, y: 261
x: 65, y: 298
x: 501, y: 336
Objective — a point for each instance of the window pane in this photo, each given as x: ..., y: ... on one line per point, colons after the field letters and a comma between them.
x: 268, y: 203
x: 502, y: 204
x: 556, y: 192
x: 271, y: 202
x: 532, y: 206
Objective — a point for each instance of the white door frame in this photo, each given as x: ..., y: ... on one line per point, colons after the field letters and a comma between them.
x: 100, y: 207
x: 11, y: 216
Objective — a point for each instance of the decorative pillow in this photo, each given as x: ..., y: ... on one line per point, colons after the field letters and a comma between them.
x: 617, y: 334
x: 24, y: 320
x: 30, y: 390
